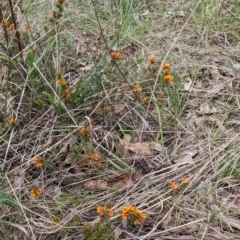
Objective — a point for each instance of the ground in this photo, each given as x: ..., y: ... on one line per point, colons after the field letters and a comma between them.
x: 120, y: 119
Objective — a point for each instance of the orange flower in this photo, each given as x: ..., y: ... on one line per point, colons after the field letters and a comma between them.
x: 110, y: 212
x: 36, y: 192
x: 104, y: 211
x: 62, y: 1
x: 12, y: 26
x: 166, y: 66
x: 85, y: 131
x: 116, y: 55
x: 5, y: 23
x: 99, y: 31
x: 152, y: 59
x: 12, y: 121
x: 133, y: 215
x: 27, y: 29
x: 174, y: 186
x: 165, y: 71
x: 67, y: 94
x: 100, y: 210
x: 94, y: 157
x: 62, y: 82
x: 185, y: 180
x: 144, y: 99
x: 38, y: 161
x: 59, y: 73
x: 137, y: 88
x: 168, y: 78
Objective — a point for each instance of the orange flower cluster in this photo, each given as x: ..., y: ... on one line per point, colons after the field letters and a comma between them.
x: 38, y: 161
x: 116, y: 55
x: 175, y: 186
x: 152, y: 59
x: 36, y: 192
x: 185, y: 180
x: 67, y: 94
x: 99, y: 31
x: 94, y: 157
x: 137, y: 88
x: 12, y: 121
x: 5, y: 23
x: 133, y: 215
x: 62, y: 82
x: 144, y: 100
x: 85, y: 131
x: 12, y: 26
x: 104, y: 211
x: 59, y: 73
x: 167, y: 76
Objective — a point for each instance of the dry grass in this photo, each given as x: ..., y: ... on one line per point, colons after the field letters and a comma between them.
x: 108, y: 145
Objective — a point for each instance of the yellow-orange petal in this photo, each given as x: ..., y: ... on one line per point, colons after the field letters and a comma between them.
x: 110, y: 212
x: 168, y: 78
x: 185, y: 180
x: 152, y: 59
x: 116, y: 55
x: 174, y: 186
x: 166, y: 66
x: 137, y: 88
x: 100, y: 210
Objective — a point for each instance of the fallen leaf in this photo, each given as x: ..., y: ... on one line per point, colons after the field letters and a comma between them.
x: 95, y: 185
x: 141, y: 148
x: 118, y: 108
x: 68, y: 160
x: 186, y: 158
x: 188, y: 84
x: 144, y: 148
x: 125, y: 182
x: 157, y: 147
x: 204, y: 108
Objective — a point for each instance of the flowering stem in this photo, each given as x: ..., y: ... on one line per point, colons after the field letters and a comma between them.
x: 4, y: 27
x: 120, y: 71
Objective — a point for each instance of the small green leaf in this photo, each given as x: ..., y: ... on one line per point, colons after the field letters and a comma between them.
x: 31, y: 58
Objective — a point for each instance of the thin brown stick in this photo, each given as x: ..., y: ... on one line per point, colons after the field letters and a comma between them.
x: 16, y: 28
